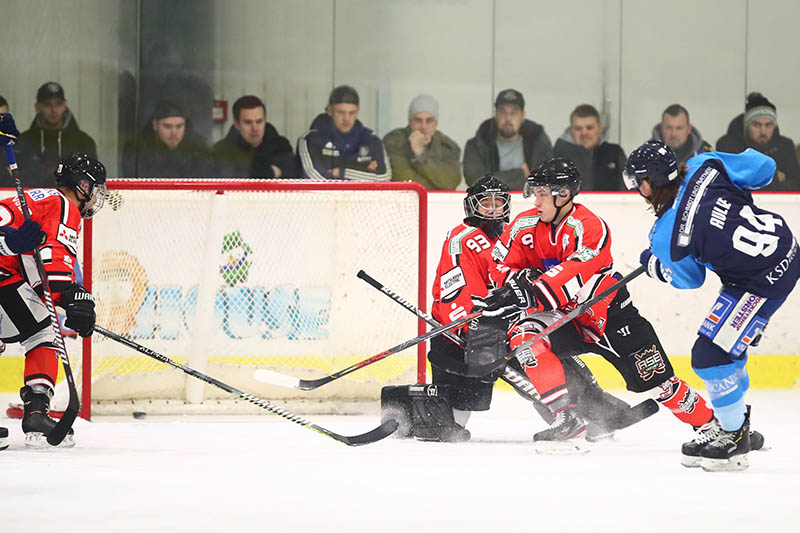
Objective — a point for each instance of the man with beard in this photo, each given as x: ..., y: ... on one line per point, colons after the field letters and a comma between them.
x: 757, y: 128
x: 508, y: 145
x: 677, y: 132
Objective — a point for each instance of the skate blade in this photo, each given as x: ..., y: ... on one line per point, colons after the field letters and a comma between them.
x: 734, y: 464
x: 690, y: 461
x: 561, y: 447
x: 38, y: 441
x: 3, y: 443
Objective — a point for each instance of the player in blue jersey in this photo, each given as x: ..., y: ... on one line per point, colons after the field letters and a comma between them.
x: 706, y: 219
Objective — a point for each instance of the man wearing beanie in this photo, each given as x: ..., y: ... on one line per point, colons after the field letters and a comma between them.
x: 338, y: 146
x: 420, y: 152
x: 166, y: 147
x: 54, y: 133
x: 507, y: 146
x: 757, y: 128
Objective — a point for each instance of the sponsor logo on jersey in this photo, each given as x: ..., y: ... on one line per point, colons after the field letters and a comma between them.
x: 783, y: 265
x: 649, y: 362
x: 68, y: 237
x: 432, y: 391
x: 624, y: 331
x: 721, y: 387
x: 565, y: 242
x: 499, y: 252
x: 692, y: 204
x: 452, y: 281
x: 740, y: 318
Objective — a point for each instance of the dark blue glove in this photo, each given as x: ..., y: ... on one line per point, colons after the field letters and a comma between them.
x: 652, y: 265
x: 8, y: 130
x: 22, y: 240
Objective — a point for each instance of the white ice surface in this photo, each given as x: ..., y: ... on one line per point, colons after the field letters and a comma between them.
x: 268, y: 474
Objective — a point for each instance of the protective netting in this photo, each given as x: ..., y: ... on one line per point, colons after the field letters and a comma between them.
x: 229, y: 281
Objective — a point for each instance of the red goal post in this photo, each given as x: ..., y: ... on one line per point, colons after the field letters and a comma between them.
x: 229, y: 276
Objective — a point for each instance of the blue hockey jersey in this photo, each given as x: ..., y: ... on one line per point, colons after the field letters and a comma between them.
x: 713, y: 223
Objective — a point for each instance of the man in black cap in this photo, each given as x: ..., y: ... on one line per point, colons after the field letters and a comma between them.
x: 53, y: 134
x: 338, y: 146
x: 166, y: 147
x: 757, y: 128
x: 508, y: 145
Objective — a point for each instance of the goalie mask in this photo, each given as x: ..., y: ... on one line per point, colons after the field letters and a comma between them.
x: 85, y: 176
x: 488, y: 205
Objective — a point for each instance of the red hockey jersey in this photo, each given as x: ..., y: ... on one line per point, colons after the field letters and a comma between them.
x: 575, y: 257
x: 62, y: 222
x: 463, y: 272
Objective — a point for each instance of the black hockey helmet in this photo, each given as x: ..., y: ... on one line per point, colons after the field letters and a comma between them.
x: 86, y: 176
x: 558, y: 174
x: 653, y: 160
x: 488, y: 205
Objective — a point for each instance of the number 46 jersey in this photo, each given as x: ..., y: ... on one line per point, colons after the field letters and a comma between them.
x: 714, y: 223
x: 463, y: 272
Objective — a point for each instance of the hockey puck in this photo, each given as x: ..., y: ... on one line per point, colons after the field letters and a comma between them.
x: 138, y: 415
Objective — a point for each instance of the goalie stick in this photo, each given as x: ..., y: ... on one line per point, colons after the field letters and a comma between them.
x: 380, y: 432
x: 519, y: 381
x: 63, y: 426
x: 282, y: 380
x: 465, y: 369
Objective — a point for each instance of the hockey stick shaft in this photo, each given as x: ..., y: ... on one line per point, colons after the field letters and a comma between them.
x: 518, y: 381
x: 384, y: 430
x: 63, y: 426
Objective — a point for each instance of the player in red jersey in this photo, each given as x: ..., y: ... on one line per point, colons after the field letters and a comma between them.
x: 79, y: 193
x: 559, y: 253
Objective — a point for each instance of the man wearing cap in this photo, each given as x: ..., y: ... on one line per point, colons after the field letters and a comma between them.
x: 508, y: 145
x: 53, y: 134
x: 757, y: 128
x: 166, y: 147
x: 253, y: 148
x: 338, y: 146
x: 420, y: 152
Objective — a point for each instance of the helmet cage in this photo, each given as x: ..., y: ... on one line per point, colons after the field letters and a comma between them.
x: 491, y: 204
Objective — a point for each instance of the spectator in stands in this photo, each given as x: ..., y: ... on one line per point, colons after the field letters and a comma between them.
x: 420, y: 152
x: 676, y: 131
x: 338, y: 146
x: 757, y: 128
x: 253, y: 147
x: 53, y: 134
x: 600, y: 162
x: 167, y: 147
x: 3, y: 156
x: 3, y: 105
x: 508, y: 145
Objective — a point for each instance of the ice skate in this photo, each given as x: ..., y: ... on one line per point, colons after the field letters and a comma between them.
x: 691, y: 451
x: 3, y: 438
x: 36, y: 423
x: 565, y: 435
x: 728, y: 451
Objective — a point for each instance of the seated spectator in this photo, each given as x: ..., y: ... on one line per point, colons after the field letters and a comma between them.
x: 253, y: 147
x: 757, y: 128
x: 507, y: 146
x: 3, y: 105
x: 600, y: 162
x: 338, y: 146
x: 166, y: 148
x: 3, y: 156
x: 420, y: 152
x: 676, y: 131
x: 53, y: 134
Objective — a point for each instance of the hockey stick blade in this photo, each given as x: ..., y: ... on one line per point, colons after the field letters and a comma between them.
x: 271, y: 377
x: 481, y: 370
x: 381, y: 432
x: 637, y: 413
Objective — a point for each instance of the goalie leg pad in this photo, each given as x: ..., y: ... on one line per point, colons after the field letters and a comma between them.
x: 465, y: 393
x: 423, y: 411
x: 487, y: 339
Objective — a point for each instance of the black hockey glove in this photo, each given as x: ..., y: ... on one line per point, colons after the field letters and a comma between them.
x: 79, y: 306
x: 21, y: 240
x: 652, y: 265
x: 516, y: 295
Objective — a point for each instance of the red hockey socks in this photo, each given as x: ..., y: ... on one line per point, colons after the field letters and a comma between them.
x: 545, y: 371
x: 684, y: 402
x: 41, y: 366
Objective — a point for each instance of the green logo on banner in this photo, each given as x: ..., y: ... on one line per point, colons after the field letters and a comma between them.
x: 235, y: 259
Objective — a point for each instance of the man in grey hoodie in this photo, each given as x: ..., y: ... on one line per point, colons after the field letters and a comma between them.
x: 677, y: 132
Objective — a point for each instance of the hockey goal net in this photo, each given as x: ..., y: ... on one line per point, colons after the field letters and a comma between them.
x: 232, y: 276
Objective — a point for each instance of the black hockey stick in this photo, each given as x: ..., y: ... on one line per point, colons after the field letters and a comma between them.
x: 276, y: 378
x: 380, y: 432
x: 517, y: 380
x: 63, y: 426
x: 465, y: 369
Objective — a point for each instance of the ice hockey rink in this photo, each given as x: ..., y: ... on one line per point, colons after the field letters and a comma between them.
x: 215, y: 474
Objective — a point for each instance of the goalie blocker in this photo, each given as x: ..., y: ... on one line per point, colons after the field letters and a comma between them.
x: 423, y: 412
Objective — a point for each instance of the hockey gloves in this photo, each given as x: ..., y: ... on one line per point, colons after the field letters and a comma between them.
x: 8, y: 130
x: 79, y: 306
x: 652, y: 265
x: 21, y: 240
x: 515, y: 295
